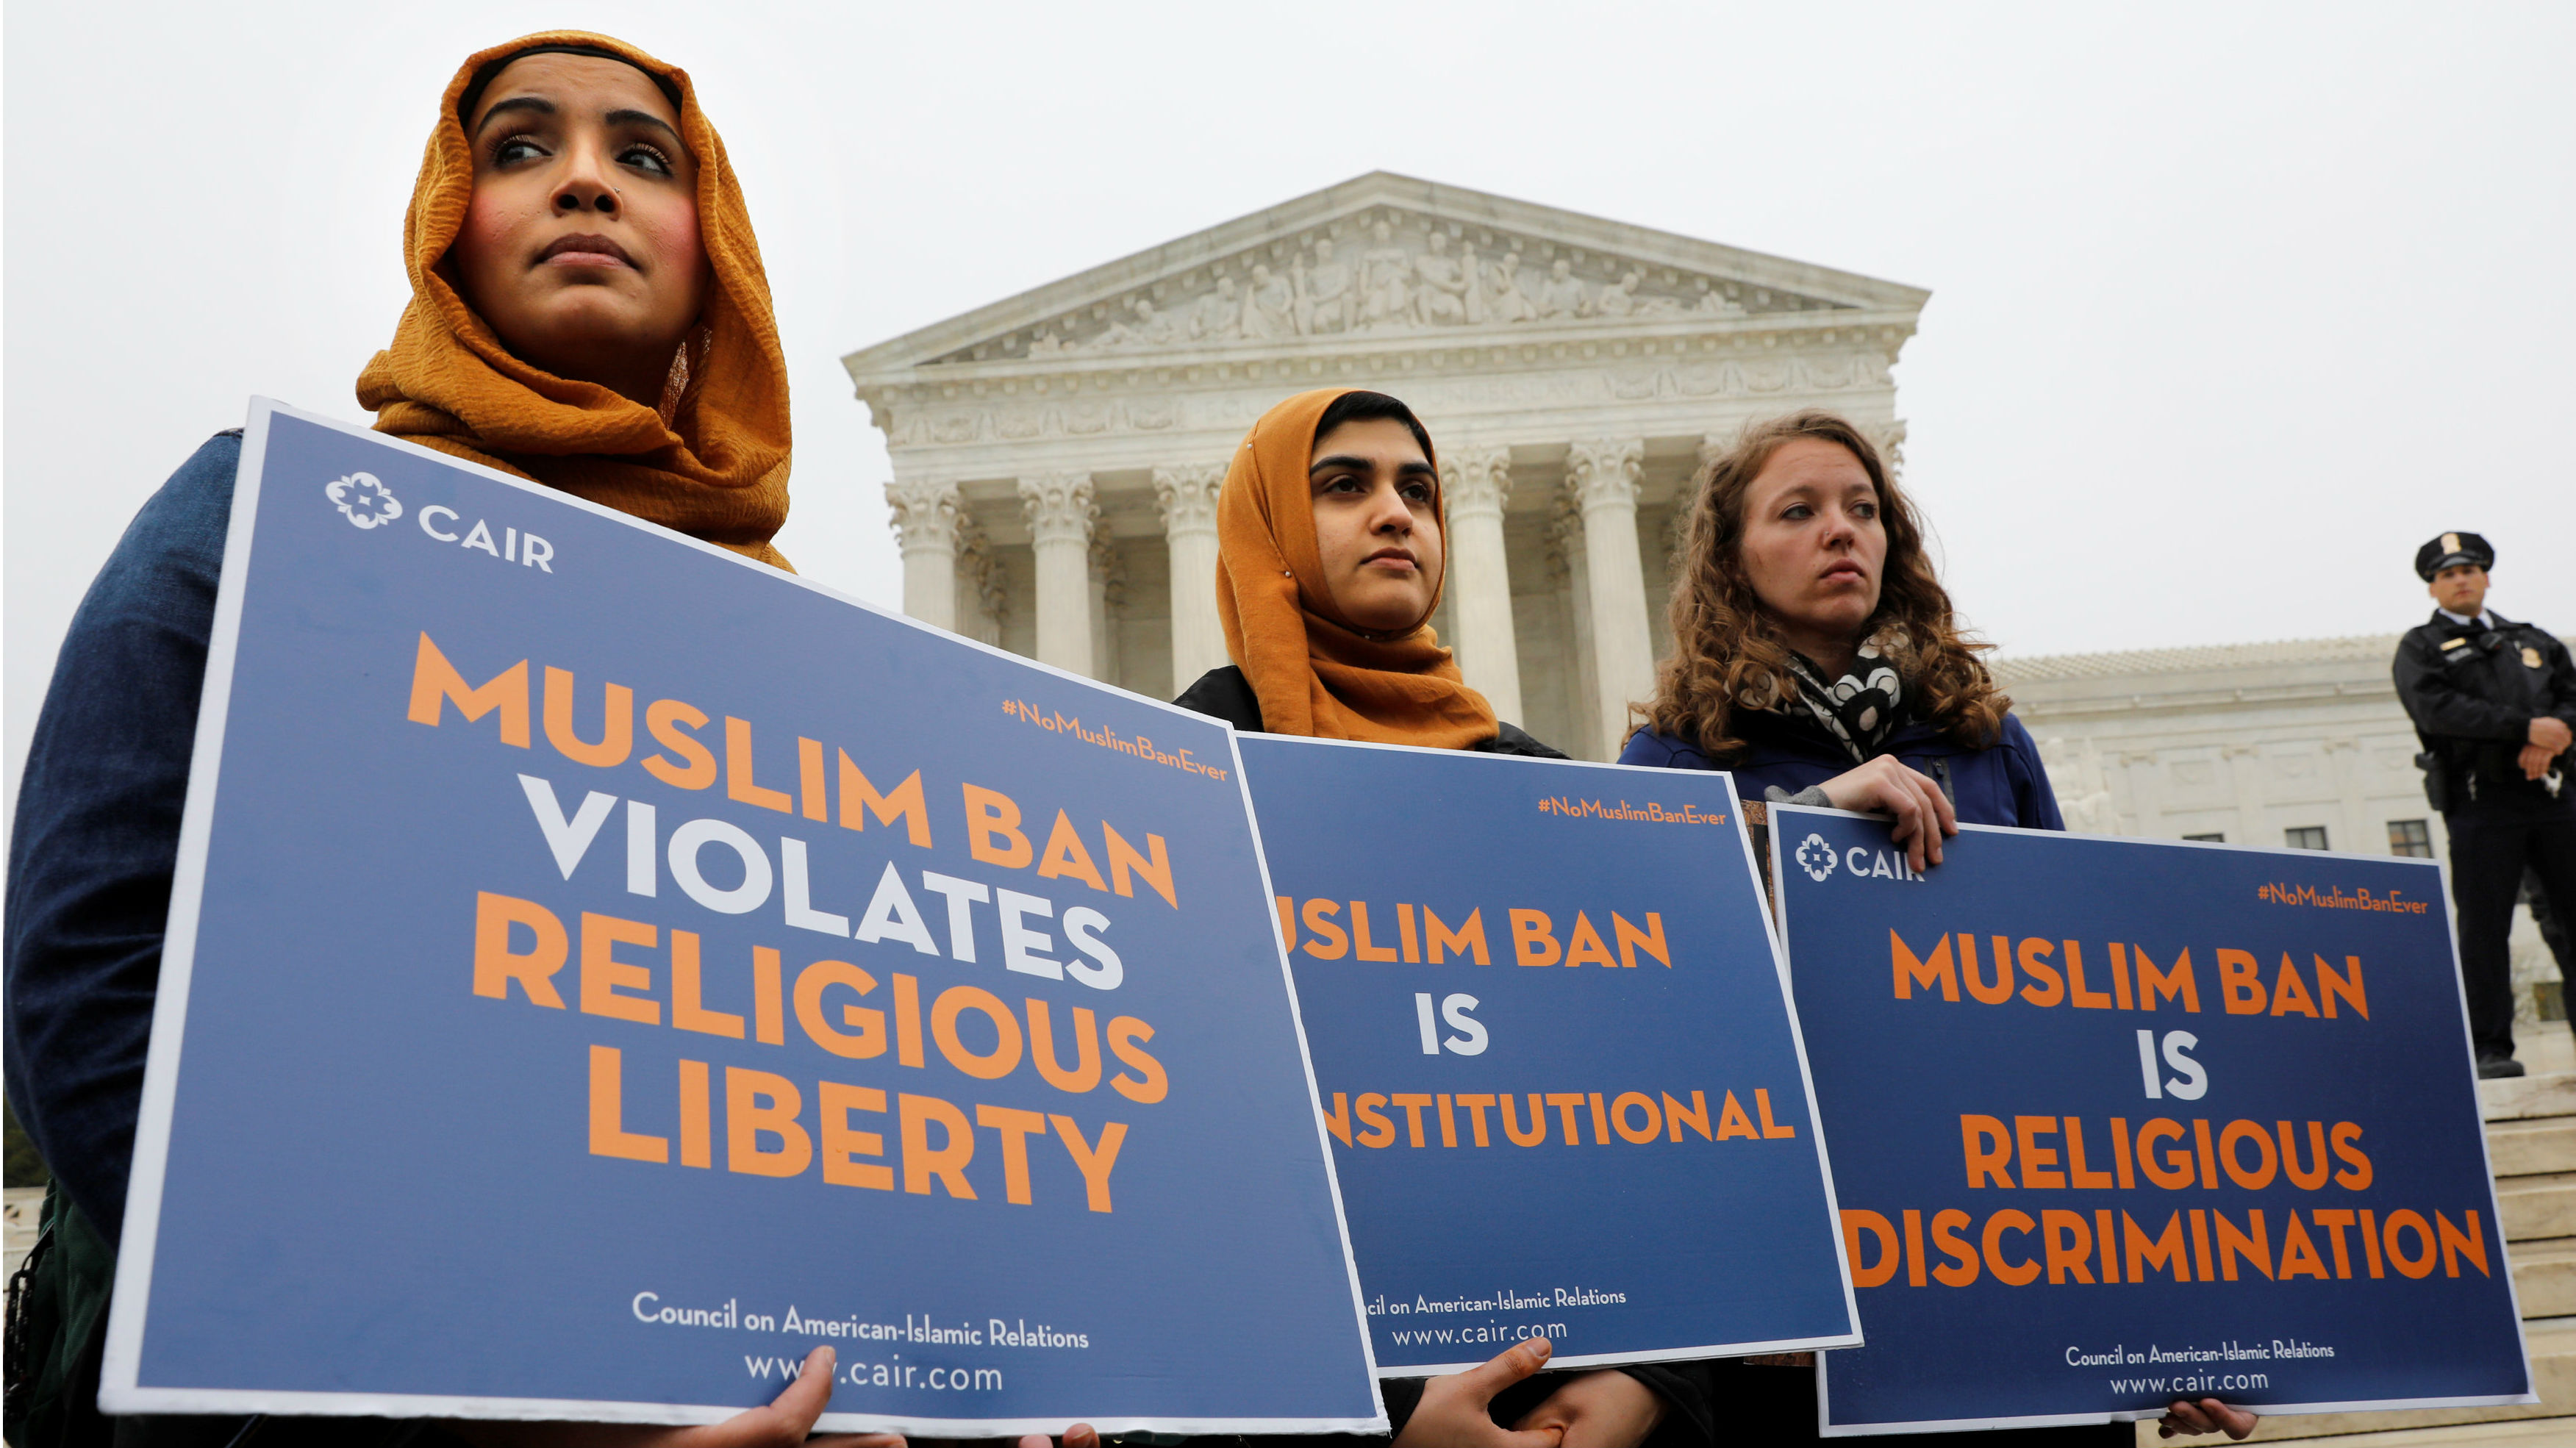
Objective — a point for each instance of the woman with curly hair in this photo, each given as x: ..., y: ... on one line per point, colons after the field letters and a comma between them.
x: 1815, y: 657
x: 1814, y: 653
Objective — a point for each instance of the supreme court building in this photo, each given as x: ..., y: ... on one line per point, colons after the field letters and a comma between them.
x: 1057, y: 457
x: 1057, y: 454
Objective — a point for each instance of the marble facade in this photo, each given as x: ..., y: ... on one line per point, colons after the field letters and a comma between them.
x: 1057, y: 454
x: 2246, y: 741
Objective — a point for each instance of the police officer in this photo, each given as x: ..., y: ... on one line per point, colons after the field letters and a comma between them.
x: 2495, y: 704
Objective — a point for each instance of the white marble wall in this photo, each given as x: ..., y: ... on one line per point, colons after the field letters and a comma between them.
x: 2249, y: 741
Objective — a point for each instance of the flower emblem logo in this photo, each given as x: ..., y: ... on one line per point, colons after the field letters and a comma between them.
x: 1816, y: 858
x: 364, y: 500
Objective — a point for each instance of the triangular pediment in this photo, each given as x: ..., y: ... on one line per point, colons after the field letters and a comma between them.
x: 1380, y: 257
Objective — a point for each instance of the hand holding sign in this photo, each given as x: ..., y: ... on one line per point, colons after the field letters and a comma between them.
x: 1453, y: 1409
x: 1605, y: 1409
x: 784, y: 1423
x: 1884, y: 786
x: 2206, y: 1416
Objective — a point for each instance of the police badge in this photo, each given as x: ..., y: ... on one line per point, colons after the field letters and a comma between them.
x: 2530, y: 657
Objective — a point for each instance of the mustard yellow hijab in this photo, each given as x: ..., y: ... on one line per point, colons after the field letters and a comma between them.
x: 1315, y: 673
x: 714, y: 468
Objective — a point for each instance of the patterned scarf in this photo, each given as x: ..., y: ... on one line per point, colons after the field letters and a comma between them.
x: 1860, y: 709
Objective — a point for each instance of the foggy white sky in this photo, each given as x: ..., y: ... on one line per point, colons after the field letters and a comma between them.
x: 2232, y: 306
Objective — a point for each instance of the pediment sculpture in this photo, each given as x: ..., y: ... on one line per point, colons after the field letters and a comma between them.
x: 1395, y: 273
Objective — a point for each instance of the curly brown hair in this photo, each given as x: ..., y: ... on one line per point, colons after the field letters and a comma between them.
x: 1727, y: 651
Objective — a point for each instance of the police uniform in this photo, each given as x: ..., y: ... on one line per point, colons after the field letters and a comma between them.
x: 2473, y: 687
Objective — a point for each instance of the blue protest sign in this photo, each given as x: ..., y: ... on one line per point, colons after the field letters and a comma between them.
x: 602, y: 970
x: 1553, y: 1041
x: 2123, y: 1121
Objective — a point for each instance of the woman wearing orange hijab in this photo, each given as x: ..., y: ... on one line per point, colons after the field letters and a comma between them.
x: 588, y: 307
x: 1330, y: 559
x: 587, y: 311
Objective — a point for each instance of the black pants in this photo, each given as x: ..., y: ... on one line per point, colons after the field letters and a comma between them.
x: 2490, y: 848
x: 2553, y: 931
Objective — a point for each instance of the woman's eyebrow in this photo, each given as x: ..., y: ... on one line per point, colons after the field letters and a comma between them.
x: 537, y: 104
x: 1337, y: 460
x: 642, y: 118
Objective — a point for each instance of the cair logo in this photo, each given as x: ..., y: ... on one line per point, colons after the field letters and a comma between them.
x: 1817, y: 856
x: 364, y: 500
x: 367, y: 503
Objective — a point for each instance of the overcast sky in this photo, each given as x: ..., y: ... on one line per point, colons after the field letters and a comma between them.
x: 2232, y: 306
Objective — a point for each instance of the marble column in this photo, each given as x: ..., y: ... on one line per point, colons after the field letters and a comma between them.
x: 1188, y: 499
x: 1582, y: 680
x: 1108, y: 603
x: 1478, y: 481
x: 1891, y: 444
x: 926, y: 520
x: 1603, y: 475
x: 1061, y: 511
x: 1712, y: 446
x: 983, y: 590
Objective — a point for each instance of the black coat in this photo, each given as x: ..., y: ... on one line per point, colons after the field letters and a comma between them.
x: 1226, y: 694
x: 2473, y: 692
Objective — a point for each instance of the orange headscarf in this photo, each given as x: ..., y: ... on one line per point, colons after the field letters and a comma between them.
x: 715, y: 469
x: 1313, y: 671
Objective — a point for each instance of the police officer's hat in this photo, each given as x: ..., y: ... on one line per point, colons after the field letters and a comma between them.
x: 2451, y: 550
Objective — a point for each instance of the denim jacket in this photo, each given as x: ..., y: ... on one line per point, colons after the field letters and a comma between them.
x: 97, y: 833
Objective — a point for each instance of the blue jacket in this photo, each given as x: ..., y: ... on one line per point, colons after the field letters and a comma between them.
x: 97, y: 834
x: 1999, y: 785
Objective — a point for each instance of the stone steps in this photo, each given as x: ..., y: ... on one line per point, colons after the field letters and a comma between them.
x: 2544, y: 1276
x: 2532, y: 1148
x: 2534, y: 1207
x: 2529, y: 1096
